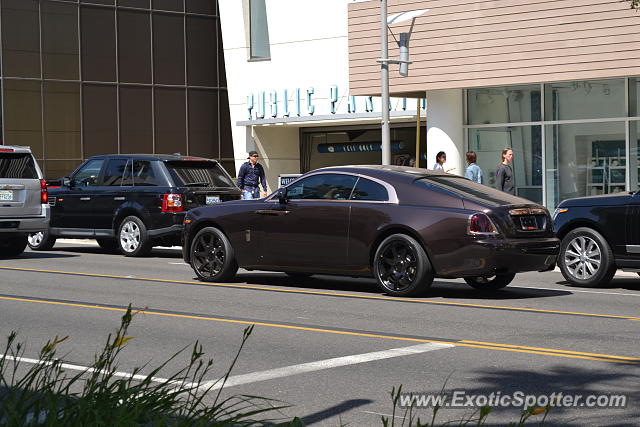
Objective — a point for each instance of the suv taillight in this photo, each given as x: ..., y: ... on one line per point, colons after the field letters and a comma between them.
x: 172, y: 203
x: 44, y: 196
x: 480, y: 223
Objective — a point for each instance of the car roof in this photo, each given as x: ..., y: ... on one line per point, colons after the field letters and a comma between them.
x: 385, y: 172
x: 161, y: 157
x: 15, y: 148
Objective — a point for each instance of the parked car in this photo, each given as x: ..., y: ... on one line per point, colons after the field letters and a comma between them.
x: 599, y: 234
x: 23, y: 199
x: 132, y: 202
x: 404, y: 226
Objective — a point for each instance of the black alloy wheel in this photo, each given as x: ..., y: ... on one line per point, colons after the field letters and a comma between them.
x: 212, y: 256
x: 490, y: 283
x: 40, y: 241
x: 401, y: 266
x: 586, y: 258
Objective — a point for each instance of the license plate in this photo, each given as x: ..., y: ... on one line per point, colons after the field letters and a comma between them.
x: 6, y: 195
x: 528, y: 223
x: 211, y: 200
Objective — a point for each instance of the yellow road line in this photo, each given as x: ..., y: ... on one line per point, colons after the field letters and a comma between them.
x: 326, y: 293
x: 461, y: 343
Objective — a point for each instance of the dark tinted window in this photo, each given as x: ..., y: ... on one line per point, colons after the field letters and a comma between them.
x: 142, y: 4
x: 98, y: 41
x: 23, y: 114
x: 465, y: 188
x: 171, y: 122
x: 87, y: 176
x: 203, y: 128
x: 198, y: 174
x: 20, y: 38
x: 60, y: 40
x: 201, y: 6
x: 134, y: 37
x: 136, y: 134
x: 114, y: 172
x: 143, y: 173
x: 17, y: 165
x: 323, y: 186
x: 202, y: 65
x: 62, y: 120
x: 100, y: 119
x: 168, y: 49
x: 369, y: 190
x: 168, y: 5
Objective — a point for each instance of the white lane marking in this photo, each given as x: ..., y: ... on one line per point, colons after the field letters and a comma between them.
x: 319, y: 365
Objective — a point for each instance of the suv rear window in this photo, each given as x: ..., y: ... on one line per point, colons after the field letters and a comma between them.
x: 17, y: 165
x: 199, y: 174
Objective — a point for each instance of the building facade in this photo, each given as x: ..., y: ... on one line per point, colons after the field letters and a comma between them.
x: 555, y: 80
x: 87, y: 77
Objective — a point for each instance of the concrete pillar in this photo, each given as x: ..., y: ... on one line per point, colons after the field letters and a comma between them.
x: 444, y: 128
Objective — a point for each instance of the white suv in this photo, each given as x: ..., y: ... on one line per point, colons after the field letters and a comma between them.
x: 24, y: 204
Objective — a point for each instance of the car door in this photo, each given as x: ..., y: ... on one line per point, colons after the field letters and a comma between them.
x: 75, y: 206
x: 310, y: 231
x: 110, y: 195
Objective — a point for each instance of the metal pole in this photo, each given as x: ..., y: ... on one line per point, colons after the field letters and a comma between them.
x: 418, y: 133
x: 384, y: 84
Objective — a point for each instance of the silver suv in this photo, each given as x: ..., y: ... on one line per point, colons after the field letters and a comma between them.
x: 24, y: 204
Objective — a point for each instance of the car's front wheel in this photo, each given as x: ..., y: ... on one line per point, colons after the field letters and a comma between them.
x: 401, y: 266
x: 40, y: 241
x: 212, y: 256
x: 490, y: 283
x: 12, y: 246
x: 586, y: 258
x: 133, y: 239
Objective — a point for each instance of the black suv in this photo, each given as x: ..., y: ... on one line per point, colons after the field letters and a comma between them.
x: 132, y: 202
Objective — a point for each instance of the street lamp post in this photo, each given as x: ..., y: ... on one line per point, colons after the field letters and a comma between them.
x: 384, y: 84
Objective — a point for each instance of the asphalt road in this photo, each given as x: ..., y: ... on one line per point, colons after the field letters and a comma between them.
x: 334, y: 347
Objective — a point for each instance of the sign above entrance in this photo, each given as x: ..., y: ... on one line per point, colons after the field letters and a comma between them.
x: 358, y: 148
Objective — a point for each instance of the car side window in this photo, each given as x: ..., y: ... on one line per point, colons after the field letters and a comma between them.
x: 369, y: 190
x: 87, y: 175
x: 322, y: 186
x: 114, y: 172
x: 143, y: 174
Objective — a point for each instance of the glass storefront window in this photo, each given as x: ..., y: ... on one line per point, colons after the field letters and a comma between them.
x: 585, y: 99
x: 526, y: 142
x: 23, y: 115
x: 62, y: 120
x: 634, y: 97
x: 584, y: 159
x: 509, y: 104
x: 20, y: 38
x: 60, y: 41
x: 634, y: 163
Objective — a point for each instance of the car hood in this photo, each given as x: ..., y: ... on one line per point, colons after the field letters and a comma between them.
x: 601, y: 200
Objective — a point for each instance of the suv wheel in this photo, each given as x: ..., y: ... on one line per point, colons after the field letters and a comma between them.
x: 133, y: 239
x: 586, y: 258
x: 401, y: 266
x: 40, y: 241
x: 12, y: 246
x: 212, y: 256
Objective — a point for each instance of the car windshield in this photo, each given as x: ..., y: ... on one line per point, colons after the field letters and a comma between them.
x: 469, y: 190
x: 199, y: 174
x: 17, y: 165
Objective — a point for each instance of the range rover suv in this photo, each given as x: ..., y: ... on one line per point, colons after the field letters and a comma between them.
x: 23, y: 199
x: 132, y: 202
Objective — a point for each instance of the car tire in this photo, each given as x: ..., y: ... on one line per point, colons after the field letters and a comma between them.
x: 108, y: 244
x: 490, y: 283
x: 40, y: 241
x: 12, y: 246
x: 401, y: 266
x: 212, y: 256
x: 133, y: 239
x: 586, y: 259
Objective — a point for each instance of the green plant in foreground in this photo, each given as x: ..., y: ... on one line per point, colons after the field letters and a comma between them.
x: 101, y: 396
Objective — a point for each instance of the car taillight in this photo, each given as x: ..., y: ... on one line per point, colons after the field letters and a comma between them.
x: 480, y: 223
x: 44, y: 195
x: 172, y: 203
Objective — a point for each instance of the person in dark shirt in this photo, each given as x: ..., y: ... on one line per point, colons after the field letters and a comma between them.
x: 504, y: 173
x: 251, y: 176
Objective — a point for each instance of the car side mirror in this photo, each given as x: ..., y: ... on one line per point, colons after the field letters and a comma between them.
x: 281, y: 194
x: 67, y: 182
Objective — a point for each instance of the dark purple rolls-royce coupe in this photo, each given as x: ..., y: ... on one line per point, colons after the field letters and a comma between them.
x: 404, y: 226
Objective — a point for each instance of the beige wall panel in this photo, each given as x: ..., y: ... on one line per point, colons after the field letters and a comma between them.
x: 501, y: 42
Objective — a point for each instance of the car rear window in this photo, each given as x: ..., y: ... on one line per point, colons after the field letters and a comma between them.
x: 199, y: 174
x: 17, y: 165
x: 468, y: 189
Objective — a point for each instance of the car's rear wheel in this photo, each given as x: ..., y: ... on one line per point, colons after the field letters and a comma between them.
x: 491, y: 283
x: 40, y: 241
x: 586, y: 258
x: 133, y: 239
x: 12, y: 246
x: 107, y: 244
x: 212, y: 256
x: 401, y: 266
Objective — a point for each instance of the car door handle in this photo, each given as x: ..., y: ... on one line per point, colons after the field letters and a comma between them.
x: 272, y: 212
x: 119, y: 198
x: 84, y: 199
